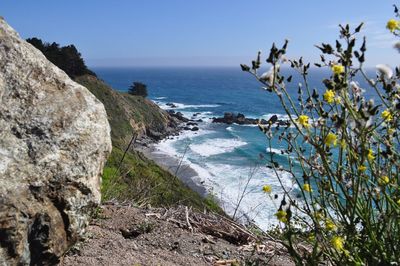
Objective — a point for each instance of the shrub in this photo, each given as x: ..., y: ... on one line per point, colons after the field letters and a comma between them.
x: 346, y: 149
x: 138, y: 88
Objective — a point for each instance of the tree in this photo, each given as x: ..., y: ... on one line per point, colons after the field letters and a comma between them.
x: 65, y: 57
x: 342, y: 152
x: 138, y: 88
x: 38, y: 43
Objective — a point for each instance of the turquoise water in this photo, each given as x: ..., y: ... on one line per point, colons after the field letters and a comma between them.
x: 227, y: 158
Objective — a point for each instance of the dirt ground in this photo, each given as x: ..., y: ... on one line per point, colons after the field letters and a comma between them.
x: 125, y: 235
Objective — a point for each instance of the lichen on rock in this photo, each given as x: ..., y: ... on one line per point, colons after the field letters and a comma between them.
x: 54, y: 142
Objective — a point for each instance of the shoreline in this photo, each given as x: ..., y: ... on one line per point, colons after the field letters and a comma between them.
x: 163, y: 153
x: 176, y: 166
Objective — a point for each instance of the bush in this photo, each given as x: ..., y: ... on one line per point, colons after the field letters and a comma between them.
x: 346, y: 149
x: 138, y: 88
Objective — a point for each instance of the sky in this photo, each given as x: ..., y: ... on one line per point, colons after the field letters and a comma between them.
x: 122, y: 33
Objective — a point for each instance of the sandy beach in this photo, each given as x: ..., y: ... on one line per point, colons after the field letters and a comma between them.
x: 176, y: 166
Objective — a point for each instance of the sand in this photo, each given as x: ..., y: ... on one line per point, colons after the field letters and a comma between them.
x: 176, y: 166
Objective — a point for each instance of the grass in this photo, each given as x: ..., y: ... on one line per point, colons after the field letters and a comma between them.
x: 138, y: 179
x: 142, y: 181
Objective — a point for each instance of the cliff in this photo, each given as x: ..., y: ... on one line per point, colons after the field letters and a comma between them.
x: 129, y: 114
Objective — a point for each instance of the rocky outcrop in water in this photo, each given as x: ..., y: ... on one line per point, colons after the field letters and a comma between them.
x: 240, y: 119
x: 54, y: 141
x: 230, y: 118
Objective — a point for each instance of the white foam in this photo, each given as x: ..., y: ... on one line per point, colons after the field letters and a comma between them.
x: 216, y: 146
x: 283, y: 117
x: 196, y: 115
x: 249, y: 125
x: 272, y: 150
x: 167, y: 145
x: 180, y: 106
x: 226, y: 181
x: 160, y: 98
x: 203, y: 173
x: 229, y: 184
x: 230, y: 129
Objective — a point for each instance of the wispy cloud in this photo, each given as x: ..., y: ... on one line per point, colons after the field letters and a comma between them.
x: 375, y: 32
x: 380, y: 38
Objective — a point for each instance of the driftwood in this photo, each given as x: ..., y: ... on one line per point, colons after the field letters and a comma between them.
x: 225, y: 262
x: 209, y: 223
x: 218, y: 226
x: 187, y: 219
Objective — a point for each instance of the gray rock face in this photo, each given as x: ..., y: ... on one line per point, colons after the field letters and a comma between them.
x: 54, y: 141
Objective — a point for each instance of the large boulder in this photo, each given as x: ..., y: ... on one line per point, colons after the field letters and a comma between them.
x: 54, y: 141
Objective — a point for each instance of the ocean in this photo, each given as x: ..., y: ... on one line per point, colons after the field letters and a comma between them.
x: 228, y: 158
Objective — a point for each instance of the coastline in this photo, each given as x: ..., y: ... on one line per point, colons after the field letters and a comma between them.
x: 174, y: 163
x: 160, y: 151
x: 211, y: 180
x: 176, y: 166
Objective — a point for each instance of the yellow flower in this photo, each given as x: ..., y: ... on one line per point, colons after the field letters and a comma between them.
x: 267, y: 189
x: 311, y: 237
x: 343, y: 144
x: 387, y: 115
x: 329, y: 96
x: 337, y: 69
x: 370, y: 155
x: 319, y: 215
x: 303, y: 120
x: 391, y: 131
x: 282, y: 216
x: 393, y: 25
x: 331, y: 139
x: 330, y: 225
x: 384, y: 180
x: 362, y: 168
x: 338, y: 243
x: 398, y: 201
x: 307, y: 187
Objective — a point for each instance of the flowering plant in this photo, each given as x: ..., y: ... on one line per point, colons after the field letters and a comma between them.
x: 342, y: 152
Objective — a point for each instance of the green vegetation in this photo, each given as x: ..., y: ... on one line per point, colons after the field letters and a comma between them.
x: 138, y: 179
x: 142, y: 181
x: 343, y: 154
x: 66, y: 57
x: 138, y: 88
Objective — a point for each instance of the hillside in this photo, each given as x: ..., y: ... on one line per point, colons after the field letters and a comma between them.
x: 138, y: 179
x: 127, y: 112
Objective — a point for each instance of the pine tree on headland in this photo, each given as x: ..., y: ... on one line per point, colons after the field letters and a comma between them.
x: 138, y: 88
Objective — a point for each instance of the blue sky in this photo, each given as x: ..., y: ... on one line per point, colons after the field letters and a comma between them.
x: 198, y: 32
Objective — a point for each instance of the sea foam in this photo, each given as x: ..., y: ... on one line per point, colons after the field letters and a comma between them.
x: 216, y: 146
x: 181, y: 106
x: 231, y: 182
